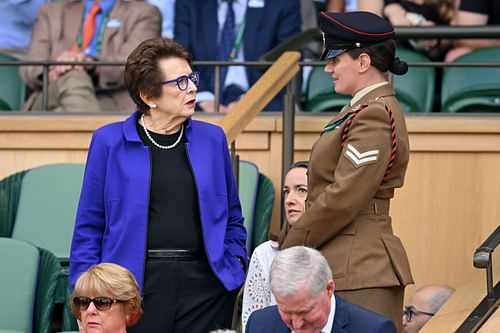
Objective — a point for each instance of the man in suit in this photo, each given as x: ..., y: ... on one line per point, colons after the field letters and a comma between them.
x: 61, y: 33
x: 301, y: 281
x: 259, y: 26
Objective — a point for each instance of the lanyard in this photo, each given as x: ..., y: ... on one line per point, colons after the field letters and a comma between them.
x: 238, y: 40
x: 102, y: 27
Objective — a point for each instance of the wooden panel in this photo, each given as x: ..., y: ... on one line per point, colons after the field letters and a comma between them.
x: 459, y: 306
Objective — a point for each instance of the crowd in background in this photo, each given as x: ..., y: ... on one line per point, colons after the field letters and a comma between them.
x: 211, y: 30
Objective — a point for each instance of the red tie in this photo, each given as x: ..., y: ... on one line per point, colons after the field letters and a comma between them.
x: 89, y: 26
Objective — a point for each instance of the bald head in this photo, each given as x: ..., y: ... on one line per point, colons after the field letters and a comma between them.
x: 433, y: 296
x: 426, y: 300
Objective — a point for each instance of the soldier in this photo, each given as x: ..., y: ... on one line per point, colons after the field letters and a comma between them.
x: 355, y: 165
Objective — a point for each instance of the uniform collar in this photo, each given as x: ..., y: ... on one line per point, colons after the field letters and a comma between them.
x: 360, y: 94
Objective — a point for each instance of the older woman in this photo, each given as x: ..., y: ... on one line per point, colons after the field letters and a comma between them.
x: 257, y: 293
x: 355, y: 165
x: 106, y: 299
x: 159, y: 198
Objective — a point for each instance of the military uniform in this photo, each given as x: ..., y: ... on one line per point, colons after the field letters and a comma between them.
x: 355, y: 165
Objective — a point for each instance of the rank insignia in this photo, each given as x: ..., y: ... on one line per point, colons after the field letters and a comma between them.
x: 361, y: 158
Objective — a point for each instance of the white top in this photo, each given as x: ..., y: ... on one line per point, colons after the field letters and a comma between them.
x: 257, y: 294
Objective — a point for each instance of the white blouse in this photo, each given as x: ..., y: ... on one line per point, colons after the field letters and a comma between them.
x: 257, y: 294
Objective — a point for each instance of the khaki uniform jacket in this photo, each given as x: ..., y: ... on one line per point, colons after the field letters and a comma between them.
x: 56, y: 29
x: 346, y: 215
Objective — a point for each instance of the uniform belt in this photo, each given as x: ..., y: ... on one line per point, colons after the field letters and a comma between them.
x: 377, y: 206
x: 175, y: 253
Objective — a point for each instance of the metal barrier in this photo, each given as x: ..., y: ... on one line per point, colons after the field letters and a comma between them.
x: 483, y: 260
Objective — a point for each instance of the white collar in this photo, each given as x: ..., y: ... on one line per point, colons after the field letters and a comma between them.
x: 360, y: 94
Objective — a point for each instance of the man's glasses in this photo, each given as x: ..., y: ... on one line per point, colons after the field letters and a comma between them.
x: 409, y: 311
x: 102, y: 303
x: 183, y: 80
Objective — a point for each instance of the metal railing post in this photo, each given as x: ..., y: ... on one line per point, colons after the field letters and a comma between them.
x: 288, y: 131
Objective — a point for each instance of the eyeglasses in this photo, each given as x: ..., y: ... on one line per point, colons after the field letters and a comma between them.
x: 102, y: 303
x: 183, y: 80
x: 409, y: 311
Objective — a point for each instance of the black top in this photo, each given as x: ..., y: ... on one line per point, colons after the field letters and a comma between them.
x: 174, y: 219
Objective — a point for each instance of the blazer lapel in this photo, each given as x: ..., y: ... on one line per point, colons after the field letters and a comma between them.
x: 341, y: 320
x: 72, y: 20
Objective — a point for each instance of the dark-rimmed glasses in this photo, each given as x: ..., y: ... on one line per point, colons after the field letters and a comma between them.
x: 183, y: 80
x: 409, y: 311
x: 102, y: 303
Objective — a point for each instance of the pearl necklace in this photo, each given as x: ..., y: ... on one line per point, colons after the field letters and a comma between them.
x: 156, y: 143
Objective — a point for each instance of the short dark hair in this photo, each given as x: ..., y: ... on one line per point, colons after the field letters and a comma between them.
x: 142, y: 71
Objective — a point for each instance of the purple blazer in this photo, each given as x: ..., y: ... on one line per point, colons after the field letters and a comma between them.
x: 112, y: 216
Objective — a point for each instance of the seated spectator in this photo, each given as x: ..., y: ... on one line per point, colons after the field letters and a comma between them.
x: 106, y: 299
x: 17, y: 17
x: 301, y: 281
x: 421, y: 13
x: 167, y: 9
x: 423, y: 305
x: 233, y: 30
x: 109, y: 31
x: 475, y: 12
x: 257, y: 294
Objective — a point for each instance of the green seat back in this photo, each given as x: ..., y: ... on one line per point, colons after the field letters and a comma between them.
x: 472, y: 89
x: 47, y: 207
x: 263, y: 211
x: 13, y: 92
x: 415, y: 89
x: 247, y: 190
x: 10, y: 189
x: 320, y: 93
x: 48, y: 280
x: 18, y: 284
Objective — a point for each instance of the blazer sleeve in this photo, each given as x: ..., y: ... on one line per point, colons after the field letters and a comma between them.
x: 354, y: 186
x: 235, y: 231
x: 90, y: 218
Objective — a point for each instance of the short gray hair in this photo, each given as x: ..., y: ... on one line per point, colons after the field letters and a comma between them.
x: 298, y: 267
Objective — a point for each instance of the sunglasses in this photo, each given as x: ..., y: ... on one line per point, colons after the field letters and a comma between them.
x: 183, y: 80
x: 409, y: 311
x: 102, y: 303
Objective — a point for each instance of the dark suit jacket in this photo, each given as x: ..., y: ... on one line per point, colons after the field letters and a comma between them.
x: 349, y: 318
x: 196, y: 27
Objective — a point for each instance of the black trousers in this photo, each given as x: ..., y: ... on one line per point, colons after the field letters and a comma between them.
x: 183, y: 296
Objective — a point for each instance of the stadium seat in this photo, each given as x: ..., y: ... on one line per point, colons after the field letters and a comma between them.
x: 13, y: 94
x: 46, y: 213
x: 263, y: 211
x: 10, y: 189
x: 466, y: 89
x: 28, y: 289
x: 248, y: 186
x: 256, y: 193
x: 415, y: 89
